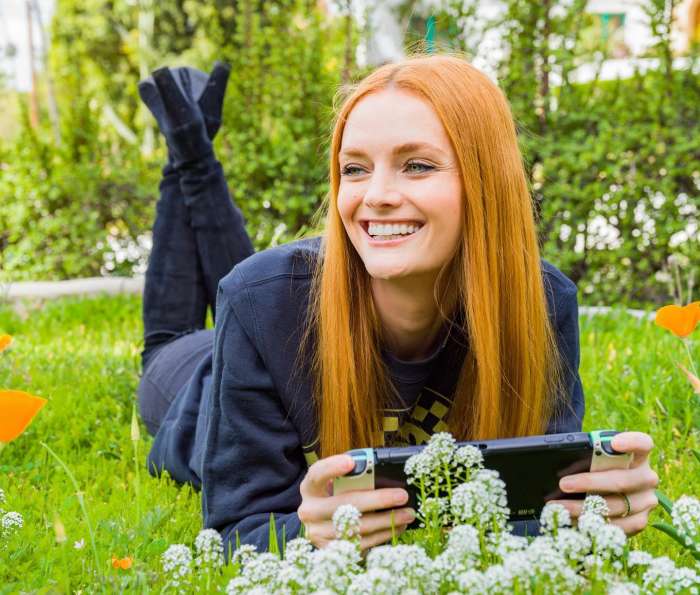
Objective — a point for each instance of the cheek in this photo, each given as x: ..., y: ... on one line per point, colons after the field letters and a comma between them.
x: 347, y: 204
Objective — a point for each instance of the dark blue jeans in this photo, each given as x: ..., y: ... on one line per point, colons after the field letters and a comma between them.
x: 199, y: 235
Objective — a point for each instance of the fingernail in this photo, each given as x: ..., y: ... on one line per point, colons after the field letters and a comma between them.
x: 401, y: 497
x: 567, y: 485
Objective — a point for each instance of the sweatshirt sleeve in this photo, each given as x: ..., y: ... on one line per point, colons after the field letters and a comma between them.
x: 253, y: 462
x: 568, y: 416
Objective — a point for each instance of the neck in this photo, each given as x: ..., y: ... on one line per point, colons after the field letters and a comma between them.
x: 410, y: 319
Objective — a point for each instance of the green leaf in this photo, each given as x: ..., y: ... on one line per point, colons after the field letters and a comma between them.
x: 273, y: 547
x: 665, y: 501
x: 696, y: 453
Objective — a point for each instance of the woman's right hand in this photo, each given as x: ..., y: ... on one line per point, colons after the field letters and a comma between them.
x: 318, y: 505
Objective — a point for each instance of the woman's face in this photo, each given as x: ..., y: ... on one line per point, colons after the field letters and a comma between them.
x: 400, y: 188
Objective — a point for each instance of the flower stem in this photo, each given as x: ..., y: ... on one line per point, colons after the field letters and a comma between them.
x: 81, y: 501
x: 690, y: 356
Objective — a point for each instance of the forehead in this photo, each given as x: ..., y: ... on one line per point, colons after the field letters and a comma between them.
x: 392, y: 117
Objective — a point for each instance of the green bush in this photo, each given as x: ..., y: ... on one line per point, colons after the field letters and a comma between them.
x: 614, y: 166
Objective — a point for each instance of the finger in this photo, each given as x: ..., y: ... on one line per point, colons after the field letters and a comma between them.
x: 637, y: 443
x: 645, y: 500
x: 370, y: 541
x: 611, y: 482
x: 380, y: 521
x: 320, y: 533
x: 174, y: 101
x: 634, y: 523
x: 321, y: 508
x: 315, y: 483
x: 212, y: 99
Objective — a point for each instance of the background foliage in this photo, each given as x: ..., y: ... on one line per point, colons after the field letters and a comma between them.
x: 614, y: 165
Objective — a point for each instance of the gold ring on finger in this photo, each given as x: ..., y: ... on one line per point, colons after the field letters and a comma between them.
x: 628, y: 505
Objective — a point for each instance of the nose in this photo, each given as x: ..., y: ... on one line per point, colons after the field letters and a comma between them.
x: 381, y: 191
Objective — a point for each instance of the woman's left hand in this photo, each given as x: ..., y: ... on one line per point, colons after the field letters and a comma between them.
x: 637, y: 483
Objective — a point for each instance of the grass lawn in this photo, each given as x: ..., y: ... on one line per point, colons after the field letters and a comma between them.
x: 83, y: 355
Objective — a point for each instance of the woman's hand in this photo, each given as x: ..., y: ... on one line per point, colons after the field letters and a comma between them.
x: 318, y: 505
x: 637, y: 483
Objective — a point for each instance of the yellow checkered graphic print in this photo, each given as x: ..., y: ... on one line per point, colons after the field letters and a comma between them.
x: 404, y: 427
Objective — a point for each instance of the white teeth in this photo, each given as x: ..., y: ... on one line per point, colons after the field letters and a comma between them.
x: 391, y: 229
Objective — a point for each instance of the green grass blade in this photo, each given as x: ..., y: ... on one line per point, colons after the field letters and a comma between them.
x: 273, y: 547
x: 665, y: 501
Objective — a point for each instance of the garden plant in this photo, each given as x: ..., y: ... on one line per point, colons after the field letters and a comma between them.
x: 97, y: 523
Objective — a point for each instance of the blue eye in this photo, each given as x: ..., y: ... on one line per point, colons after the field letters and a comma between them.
x: 417, y: 167
x: 351, y: 170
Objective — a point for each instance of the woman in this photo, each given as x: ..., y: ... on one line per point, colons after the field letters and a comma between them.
x: 425, y: 307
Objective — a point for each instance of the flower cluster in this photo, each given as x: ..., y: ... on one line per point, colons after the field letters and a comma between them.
x: 471, y: 550
x: 10, y: 522
x: 346, y: 522
x: 179, y: 563
x: 686, y: 518
x: 209, y: 548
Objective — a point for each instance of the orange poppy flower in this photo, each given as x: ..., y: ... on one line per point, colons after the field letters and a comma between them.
x: 680, y: 320
x: 121, y: 563
x: 5, y: 342
x: 17, y: 409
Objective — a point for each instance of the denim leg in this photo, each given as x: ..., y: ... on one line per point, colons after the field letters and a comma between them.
x: 218, y: 225
x: 174, y: 297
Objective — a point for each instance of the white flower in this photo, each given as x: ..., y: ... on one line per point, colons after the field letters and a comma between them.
x: 238, y: 586
x: 258, y: 590
x: 3, y: 499
x: 464, y: 541
x: 624, y: 589
x: 177, y: 562
x: 639, y: 558
x: 461, y: 554
x: 662, y: 576
x: 441, y: 447
x: 588, y: 523
x: 554, y: 517
x: 409, y: 565
x: 498, y: 579
x: 11, y: 522
x: 261, y: 569
x: 421, y: 468
x: 685, y: 515
x: 376, y: 581
x: 434, y: 508
x: 609, y: 541
x: 472, y: 581
x: 346, y: 522
x: 572, y: 544
x: 481, y: 501
x: 504, y: 543
x: 209, y: 548
x: 79, y: 545
x: 469, y: 456
x: 595, y: 504
x: 334, y: 566
x: 244, y: 554
x: 298, y: 551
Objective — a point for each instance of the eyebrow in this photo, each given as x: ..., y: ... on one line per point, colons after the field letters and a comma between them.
x: 398, y: 150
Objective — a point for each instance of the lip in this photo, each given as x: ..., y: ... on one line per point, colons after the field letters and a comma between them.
x: 388, y: 243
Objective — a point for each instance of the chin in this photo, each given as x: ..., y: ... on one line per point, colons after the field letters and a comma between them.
x: 387, y: 272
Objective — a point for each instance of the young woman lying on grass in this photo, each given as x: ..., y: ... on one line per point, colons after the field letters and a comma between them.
x: 423, y: 307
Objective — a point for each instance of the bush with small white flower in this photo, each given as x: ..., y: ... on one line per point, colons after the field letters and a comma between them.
x: 463, y: 546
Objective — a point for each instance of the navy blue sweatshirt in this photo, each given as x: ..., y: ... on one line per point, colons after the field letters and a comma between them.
x: 245, y: 426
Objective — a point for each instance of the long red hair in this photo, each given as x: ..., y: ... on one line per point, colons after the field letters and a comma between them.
x: 511, y: 374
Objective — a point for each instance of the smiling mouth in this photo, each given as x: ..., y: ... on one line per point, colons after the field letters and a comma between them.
x: 395, y: 230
